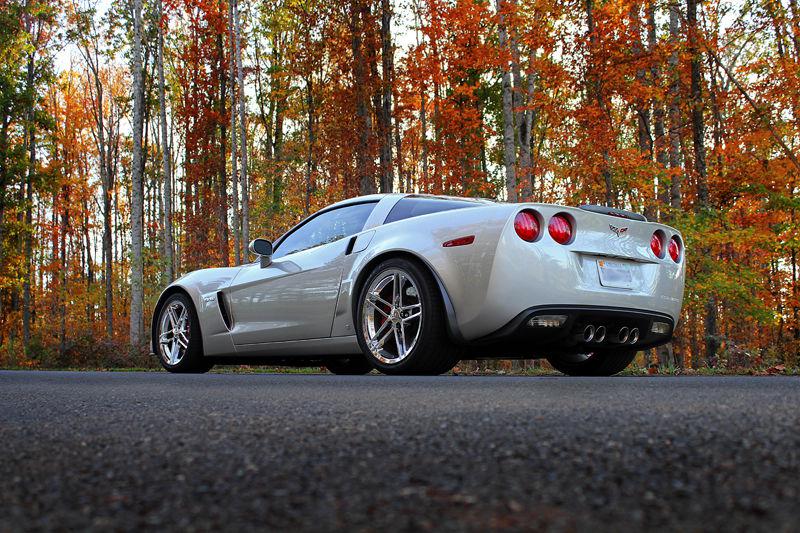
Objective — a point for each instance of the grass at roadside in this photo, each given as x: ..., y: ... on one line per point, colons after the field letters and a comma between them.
x: 467, y: 370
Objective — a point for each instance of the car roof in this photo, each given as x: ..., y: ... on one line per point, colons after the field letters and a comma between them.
x: 378, y: 197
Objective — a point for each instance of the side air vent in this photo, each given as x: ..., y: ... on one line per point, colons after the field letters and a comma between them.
x: 619, y: 213
x: 223, y: 310
x: 351, y: 245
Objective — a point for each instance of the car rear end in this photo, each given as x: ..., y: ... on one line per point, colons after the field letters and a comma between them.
x: 578, y: 279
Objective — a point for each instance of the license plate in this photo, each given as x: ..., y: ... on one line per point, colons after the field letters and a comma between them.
x: 615, y: 274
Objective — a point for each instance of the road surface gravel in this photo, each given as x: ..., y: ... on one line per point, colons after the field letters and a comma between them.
x: 127, y: 451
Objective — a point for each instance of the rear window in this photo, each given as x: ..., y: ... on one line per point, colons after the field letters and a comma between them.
x: 410, y: 207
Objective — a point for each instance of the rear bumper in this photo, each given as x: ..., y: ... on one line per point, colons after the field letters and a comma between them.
x: 524, y: 274
x: 520, y: 338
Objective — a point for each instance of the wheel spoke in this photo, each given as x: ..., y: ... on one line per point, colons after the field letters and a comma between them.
x: 374, y: 297
x: 386, y: 335
x: 401, y: 282
x: 163, y: 338
x: 396, y: 289
x: 380, y: 330
x: 381, y: 311
x: 183, y: 339
x: 400, y: 338
x: 411, y: 307
x: 173, y: 356
x: 173, y: 318
x: 412, y: 317
x: 182, y: 319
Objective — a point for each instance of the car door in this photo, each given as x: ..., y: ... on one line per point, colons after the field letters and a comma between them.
x: 294, y: 298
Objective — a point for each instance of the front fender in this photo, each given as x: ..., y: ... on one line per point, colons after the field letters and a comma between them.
x: 204, y: 288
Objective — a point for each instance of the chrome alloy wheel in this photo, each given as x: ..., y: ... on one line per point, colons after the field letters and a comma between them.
x: 392, y: 316
x: 173, y: 333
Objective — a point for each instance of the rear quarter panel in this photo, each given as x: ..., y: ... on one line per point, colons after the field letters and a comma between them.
x: 464, y: 271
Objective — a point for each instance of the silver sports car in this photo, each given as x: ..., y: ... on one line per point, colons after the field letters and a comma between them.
x: 411, y: 284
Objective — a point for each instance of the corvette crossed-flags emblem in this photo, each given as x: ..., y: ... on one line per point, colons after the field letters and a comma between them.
x: 618, y: 231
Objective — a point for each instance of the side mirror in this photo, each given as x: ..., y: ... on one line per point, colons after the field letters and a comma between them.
x: 263, y: 249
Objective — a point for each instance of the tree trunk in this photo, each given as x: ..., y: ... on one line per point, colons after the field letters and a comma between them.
x: 62, y: 263
x: 666, y: 353
x: 277, y: 186
x: 358, y: 20
x: 28, y: 245
x: 237, y: 236
x: 698, y: 142
x: 509, y: 149
x: 243, y: 128
x: 642, y: 112
x: 423, y: 121
x: 523, y: 117
x: 674, y: 111
x: 423, y: 117
x: 105, y: 151
x: 166, y: 157
x: 595, y: 92
x: 698, y: 125
x: 659, y: 128
x: 644, y: 140
x: 27, y: 298
x: 387, y: 60
x: 223, y: 231
x: 795, y: 27
x: 137, y: 282
x: 310, y: 118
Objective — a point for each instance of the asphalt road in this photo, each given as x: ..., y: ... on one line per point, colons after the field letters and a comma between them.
x: 125, y: 451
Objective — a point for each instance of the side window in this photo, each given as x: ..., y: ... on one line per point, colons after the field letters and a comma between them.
x: 411, y: 206
x: 325, y: 228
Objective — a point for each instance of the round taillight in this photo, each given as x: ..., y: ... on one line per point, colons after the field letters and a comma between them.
x: 560, y: 229
x: 527, y: 226
x: 674, y: 249
x: 657, y: 244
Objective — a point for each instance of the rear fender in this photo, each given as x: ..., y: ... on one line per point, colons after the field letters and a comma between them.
x: 462, y: 273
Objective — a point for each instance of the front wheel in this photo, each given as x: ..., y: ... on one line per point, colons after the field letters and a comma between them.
x: 179, y: 346
x: 401, y: 325
x: 592, y: 364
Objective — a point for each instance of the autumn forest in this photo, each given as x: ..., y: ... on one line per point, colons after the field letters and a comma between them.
x: 142, y: 139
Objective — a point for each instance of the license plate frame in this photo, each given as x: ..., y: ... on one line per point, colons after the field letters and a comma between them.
x: 615, y: 274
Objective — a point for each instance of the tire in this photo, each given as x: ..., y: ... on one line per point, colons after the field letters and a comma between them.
x: 594, y: 364
x: 182, y: 353
x: 356, y: 365
x: 426, y: 349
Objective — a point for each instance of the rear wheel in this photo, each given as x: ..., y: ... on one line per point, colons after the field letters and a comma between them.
x: 592, y: 364
x: 401, y: 322
x: 180, y: 348
x: 355, y: 365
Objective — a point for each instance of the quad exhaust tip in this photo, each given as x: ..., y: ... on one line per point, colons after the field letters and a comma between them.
x: 600, y: 334
x: 596, y: 334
